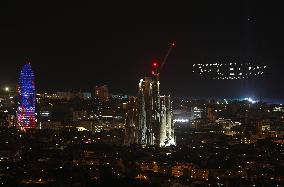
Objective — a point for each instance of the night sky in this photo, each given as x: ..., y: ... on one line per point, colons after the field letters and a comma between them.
x: 78, y: 45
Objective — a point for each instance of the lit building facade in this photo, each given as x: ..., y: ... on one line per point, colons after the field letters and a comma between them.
x: 149, y: 117
x: 102, y: 93
x: 26, y: 108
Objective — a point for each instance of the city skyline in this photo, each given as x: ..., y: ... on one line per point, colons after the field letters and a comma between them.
x: 78, y: 47
x: 160, y: 94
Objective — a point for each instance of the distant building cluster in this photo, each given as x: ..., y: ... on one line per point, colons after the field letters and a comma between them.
x: 149, y: 116
x: 229, y: 71
x: 65, y: 95
x: 100, y: 92
x: 84, y: 110
x: 232, y: 118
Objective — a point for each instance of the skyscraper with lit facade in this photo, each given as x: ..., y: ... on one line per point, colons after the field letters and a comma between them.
x: 26, y: 89
x: 101, y: 92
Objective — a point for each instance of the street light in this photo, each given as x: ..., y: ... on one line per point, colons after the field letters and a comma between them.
x: 7, y: 89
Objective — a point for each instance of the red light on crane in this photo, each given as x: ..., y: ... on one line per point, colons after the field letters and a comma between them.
x: 156, y: 67
x: 155, y: 64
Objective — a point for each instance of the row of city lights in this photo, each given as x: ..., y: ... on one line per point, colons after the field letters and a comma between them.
x: 229, y: 70
x: 223, y: 64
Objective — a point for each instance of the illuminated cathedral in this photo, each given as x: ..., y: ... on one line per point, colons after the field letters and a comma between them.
x: 149, y: 117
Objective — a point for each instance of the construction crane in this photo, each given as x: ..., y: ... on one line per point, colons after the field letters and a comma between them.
x: 156, y: 68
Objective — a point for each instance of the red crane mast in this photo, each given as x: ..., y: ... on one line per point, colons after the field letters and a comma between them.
x: 156, y: 69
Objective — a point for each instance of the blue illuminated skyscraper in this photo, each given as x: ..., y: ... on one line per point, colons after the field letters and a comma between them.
x: 26, y: 89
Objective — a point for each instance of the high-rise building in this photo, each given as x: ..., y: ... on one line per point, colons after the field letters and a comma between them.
x: 26, y: 108
x: 211, y: 114
x: 101, y: 92
x: 149, y: 116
